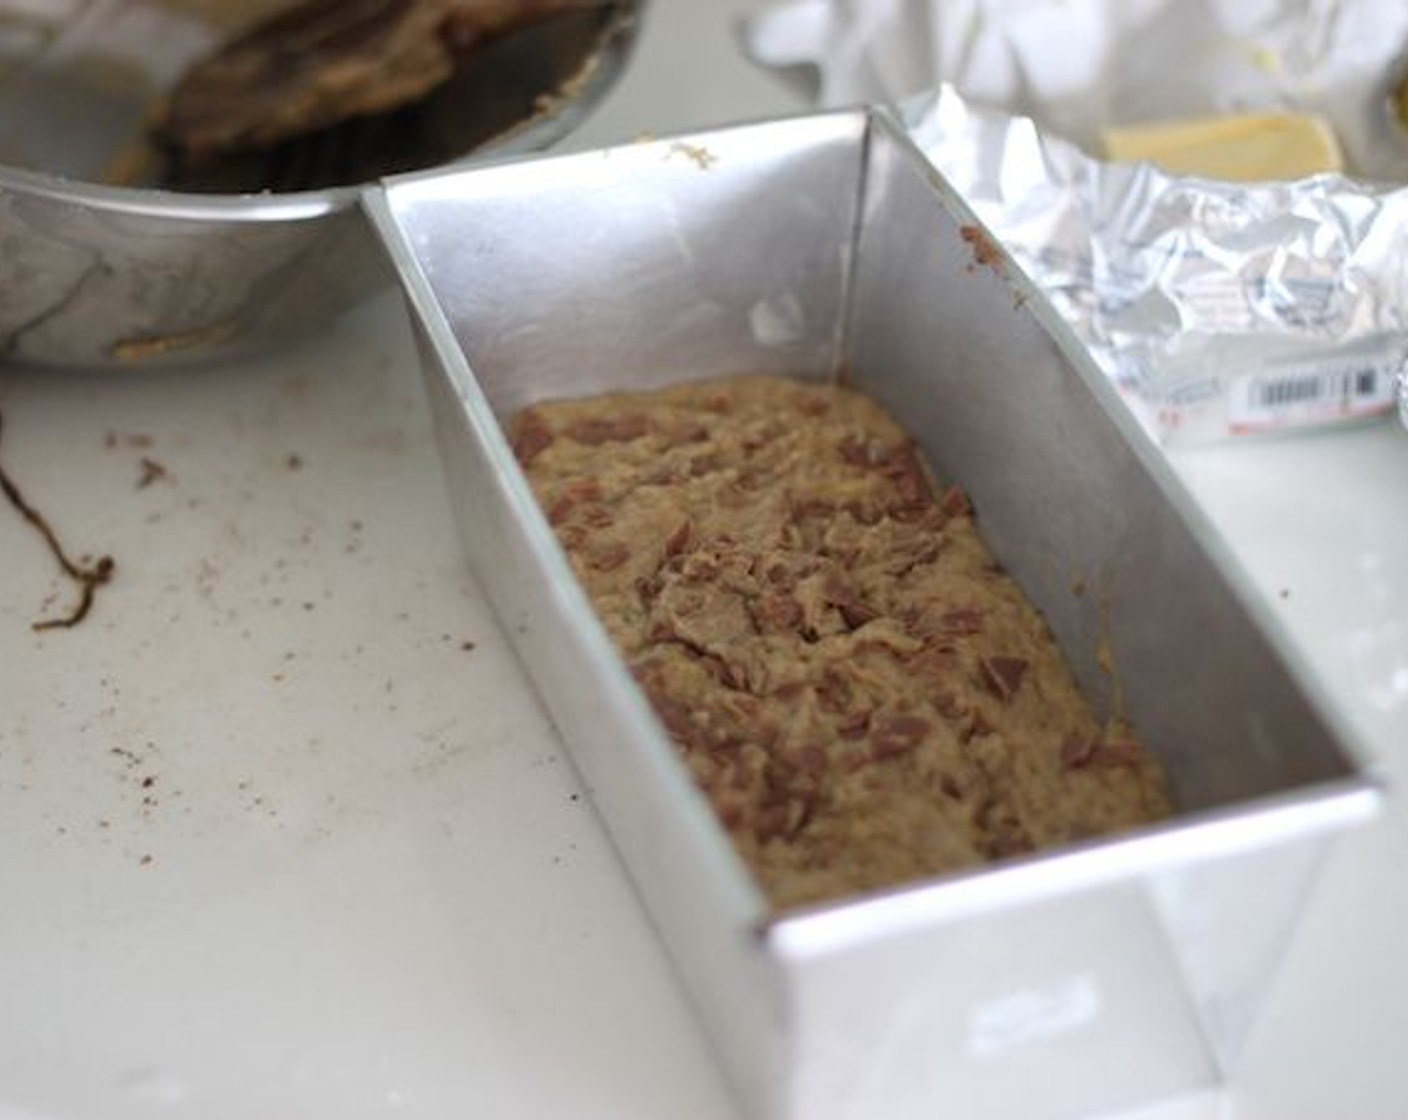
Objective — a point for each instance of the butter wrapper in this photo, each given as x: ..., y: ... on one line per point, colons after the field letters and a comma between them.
x: 1220, y: 309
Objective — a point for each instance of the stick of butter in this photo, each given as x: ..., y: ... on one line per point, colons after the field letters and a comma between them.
x: 1244, y: 148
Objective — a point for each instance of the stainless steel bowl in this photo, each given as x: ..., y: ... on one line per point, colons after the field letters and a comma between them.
x: 107, y: 276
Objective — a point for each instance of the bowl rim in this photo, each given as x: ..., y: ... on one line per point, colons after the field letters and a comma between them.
x: 559, y: 115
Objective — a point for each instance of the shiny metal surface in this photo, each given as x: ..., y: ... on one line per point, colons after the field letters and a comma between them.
x: 1221, y: 309
x: 102, y: 276
x: 1054, y: 985
x: 95, y: 276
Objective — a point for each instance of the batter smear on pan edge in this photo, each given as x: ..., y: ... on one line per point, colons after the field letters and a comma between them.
x: 863, y: 694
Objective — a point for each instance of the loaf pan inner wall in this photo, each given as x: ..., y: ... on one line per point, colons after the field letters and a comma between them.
x: 660, y: 263
x: 1072, y: 497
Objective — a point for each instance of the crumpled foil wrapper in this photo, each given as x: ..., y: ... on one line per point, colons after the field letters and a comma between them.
x: 1218, y: 308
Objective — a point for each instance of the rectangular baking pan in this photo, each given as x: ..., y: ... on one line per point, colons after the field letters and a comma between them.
x: 1053, y: 985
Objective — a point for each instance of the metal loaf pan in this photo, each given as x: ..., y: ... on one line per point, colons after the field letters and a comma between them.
x: 1053, y: 985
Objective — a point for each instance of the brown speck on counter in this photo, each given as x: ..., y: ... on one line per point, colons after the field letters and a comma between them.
x: 146, y: 861
x: 294, y: 462
x: 136, y: 440
x: 88, y: 576
x: 468, y: 647
x: 151, y: 471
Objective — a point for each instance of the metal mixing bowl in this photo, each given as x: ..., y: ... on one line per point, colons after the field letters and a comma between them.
x: 107, y: 276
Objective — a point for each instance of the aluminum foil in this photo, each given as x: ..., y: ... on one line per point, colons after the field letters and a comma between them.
x: 1219, y: 308
x: 1078, y: 66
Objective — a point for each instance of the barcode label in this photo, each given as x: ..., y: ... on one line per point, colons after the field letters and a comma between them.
x: 1288, y: 398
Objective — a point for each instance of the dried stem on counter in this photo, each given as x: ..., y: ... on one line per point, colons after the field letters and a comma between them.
x: 88, y: 578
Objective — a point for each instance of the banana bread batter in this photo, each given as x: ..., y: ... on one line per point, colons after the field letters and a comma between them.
x: 863, y: 694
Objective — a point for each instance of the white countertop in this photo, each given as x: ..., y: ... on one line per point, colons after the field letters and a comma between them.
x: 284, y: 832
